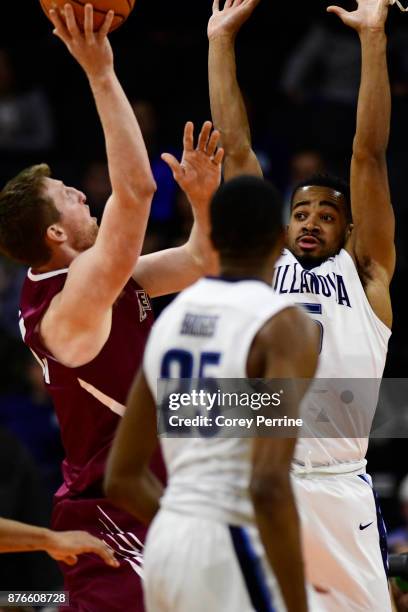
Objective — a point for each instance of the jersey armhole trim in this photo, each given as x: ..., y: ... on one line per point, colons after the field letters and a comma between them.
x: 378, y: 321
x: 38, y: 277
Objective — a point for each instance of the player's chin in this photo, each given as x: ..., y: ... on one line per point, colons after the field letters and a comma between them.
x: 94, y: 227
x: 317, y: 252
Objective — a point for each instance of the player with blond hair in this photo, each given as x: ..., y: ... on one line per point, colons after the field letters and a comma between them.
x: 85, y: 304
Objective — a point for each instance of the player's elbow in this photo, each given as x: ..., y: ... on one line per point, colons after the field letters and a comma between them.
x: 116, y: 488
x: 369, y: 153
x: 151, y: 187
x: 145, y: 190
x: 239, y: 153
x: 269, y: 491
x: 136, y: 193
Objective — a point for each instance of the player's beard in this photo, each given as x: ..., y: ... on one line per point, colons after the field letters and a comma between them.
x: 86, y: 238
x: 308, y: 262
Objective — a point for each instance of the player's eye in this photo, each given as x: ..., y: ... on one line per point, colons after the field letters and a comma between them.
x: 328, y: 218
x: 300, y: 216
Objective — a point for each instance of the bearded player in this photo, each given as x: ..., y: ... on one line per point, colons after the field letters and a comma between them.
x: 339, y: 262
x: 83, y: 315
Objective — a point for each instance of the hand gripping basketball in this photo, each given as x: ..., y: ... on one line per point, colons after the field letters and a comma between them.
x: 121, y: 9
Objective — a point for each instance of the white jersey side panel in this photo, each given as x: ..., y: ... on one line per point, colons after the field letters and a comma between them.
x: 209, y: 477
x: 354, y: 344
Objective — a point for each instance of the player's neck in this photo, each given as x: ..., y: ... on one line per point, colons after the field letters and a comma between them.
x: 235, y: 272
x: 59, y: 260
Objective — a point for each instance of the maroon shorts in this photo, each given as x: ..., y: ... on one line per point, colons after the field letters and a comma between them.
x: 92, y: 585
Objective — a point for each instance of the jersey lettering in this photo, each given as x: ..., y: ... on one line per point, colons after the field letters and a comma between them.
x: 306, y: 281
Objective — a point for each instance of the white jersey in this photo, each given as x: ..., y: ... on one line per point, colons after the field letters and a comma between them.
x: 207, y: 332
x: 354, y: 344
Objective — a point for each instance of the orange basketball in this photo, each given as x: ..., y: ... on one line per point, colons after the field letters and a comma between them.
x: 122, y: 10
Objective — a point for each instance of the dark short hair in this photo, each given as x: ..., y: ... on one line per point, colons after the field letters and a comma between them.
x: 246, y: 218
x: 331, y: 182
x: 25, y: 215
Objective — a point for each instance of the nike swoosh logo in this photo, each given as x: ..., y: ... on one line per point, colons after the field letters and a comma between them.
x: 362, y: 527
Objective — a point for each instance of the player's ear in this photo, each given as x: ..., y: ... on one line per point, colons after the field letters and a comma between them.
x: 56, y: 234
x: 349, y: 230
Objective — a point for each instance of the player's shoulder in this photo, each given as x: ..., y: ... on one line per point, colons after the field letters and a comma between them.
x: 289, y: 325
x: 341, y: 259
x: 40, y: 289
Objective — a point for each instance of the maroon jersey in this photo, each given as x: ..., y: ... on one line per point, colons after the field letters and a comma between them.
x: 90, y: 399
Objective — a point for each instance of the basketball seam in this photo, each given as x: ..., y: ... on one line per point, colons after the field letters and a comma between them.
x: 96, y: 10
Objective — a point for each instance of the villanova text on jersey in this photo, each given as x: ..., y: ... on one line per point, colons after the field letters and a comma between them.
x: 294, y: 279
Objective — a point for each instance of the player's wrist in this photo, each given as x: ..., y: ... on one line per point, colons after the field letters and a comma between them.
x: 377, y: 32
x: 46, y: 539
x: 222, y: 38
x: 101, y: 78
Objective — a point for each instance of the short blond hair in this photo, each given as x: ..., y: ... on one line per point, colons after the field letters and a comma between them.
x: 25, y: 215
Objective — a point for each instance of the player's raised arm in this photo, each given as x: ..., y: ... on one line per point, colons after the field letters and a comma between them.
x: 199, y: 175
x: 227, y: 104
x: 80, y: 315
x: 372, y: 241
x: 129, y: 482
x: 282, y: 356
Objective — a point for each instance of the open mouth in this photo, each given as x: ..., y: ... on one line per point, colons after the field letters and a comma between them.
x: 308, y: 243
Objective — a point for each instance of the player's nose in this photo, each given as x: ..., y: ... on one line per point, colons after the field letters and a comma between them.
x: 311, y: 225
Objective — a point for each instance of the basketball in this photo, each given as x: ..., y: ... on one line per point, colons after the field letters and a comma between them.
x: 122, y: 10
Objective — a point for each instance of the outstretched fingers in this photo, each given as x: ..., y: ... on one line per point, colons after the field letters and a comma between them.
x: 105, y: 552
x: 174, y: 165
x: 204, y: 136
x: 219, y: 156
x: 188, y: 138
x: 60, y: 29
x: 89, y: 24
x: 70, y: 20
x: 337, y: 10
x: 106, y: 26
x: 70, y: 559
x: 213, y: 143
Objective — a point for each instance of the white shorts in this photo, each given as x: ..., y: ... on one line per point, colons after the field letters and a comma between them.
x: 343, y: 541
x: 192, y: 564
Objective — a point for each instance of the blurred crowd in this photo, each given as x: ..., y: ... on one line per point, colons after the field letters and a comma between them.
x: 300, y: 72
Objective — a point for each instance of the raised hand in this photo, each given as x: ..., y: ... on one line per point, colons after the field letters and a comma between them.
x: 369, y: 15
x: 199, y: 172
x: 91, y: 49
x: 67, y: 545
x: 229, y: 20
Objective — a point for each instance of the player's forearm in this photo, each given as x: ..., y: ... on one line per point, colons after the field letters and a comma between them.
x: 139, y: 494
x: 199, y: 249
x: 228, y: 109
x: 129, y: 166
x: 374, y: 104
x: 19, y: 537
x: 278, y: 524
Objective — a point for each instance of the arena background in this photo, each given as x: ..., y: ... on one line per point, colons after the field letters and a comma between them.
x: 299, y: 70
